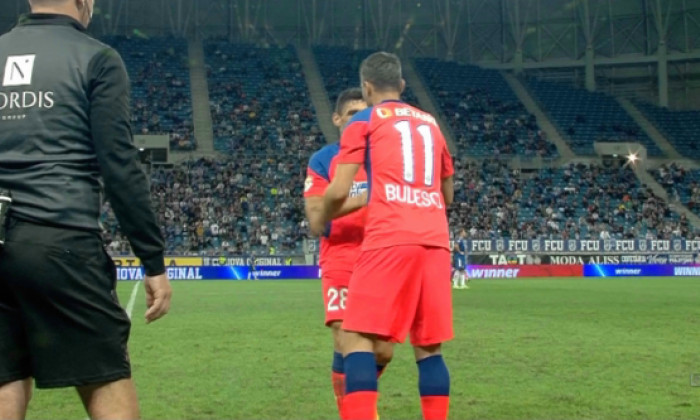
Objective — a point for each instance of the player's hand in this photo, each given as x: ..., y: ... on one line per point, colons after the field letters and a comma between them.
x: 317, y: 227
x: 158, y: 294
x: 362, y: 198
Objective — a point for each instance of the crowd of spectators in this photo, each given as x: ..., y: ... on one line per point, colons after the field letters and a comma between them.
x: 236, y: 205
x: 682, y: 185
x: 259, y: 101
x: 160, y: 87
x: 485, y: 116
x: 250, y: 201
x: 576, y: 202
x: 240, y: 205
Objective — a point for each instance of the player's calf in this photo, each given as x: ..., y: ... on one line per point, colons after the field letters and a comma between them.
x: 433, y: 382
x: 337, y: 367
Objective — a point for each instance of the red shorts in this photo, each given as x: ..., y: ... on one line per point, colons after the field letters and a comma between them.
x: 402, y: 289
x: 335, y: 292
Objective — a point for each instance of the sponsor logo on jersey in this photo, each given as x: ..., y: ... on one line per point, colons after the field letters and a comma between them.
x: 384, y: 113
x: 308, y: 183
x: 19, y: 70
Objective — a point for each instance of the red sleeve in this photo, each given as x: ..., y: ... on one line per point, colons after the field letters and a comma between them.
x: 315, y: 185
x: 353, y: 143
x: 447, y: 166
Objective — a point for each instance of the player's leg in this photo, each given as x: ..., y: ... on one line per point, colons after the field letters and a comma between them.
x: 111, y: 400
x: 381, y: 304
x: 335, y: 288
x: 383, y: 353
x: 14, y: 398
x: 361, y: 382
x: 431, y: 327
x: 455, y: 274
x: 337, y: 366
x: 463, y: 279
x: 433, y: 382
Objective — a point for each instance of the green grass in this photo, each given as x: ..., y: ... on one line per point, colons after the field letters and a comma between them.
x: 525, y: 349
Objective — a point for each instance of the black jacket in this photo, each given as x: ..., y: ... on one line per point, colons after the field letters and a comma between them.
x: 65, y: 135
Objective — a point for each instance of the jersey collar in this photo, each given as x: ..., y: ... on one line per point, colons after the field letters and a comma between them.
x: 49, y: 19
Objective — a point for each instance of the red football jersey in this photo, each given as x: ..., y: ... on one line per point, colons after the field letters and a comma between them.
x: 341, y: 243
x: 406, y: 159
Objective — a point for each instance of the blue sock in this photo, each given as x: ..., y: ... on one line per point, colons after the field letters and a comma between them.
x: 380, y: 369
x: 433, y: 377
x: 337, y: 365
x: 360, y: 372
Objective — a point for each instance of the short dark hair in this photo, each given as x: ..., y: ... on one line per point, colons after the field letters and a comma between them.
x: 383, y: 70
x: 348, y: 95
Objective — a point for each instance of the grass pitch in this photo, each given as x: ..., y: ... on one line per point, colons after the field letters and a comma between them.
x: 525, y: 349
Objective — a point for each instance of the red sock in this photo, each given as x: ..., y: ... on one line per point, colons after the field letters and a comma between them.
x: 339, y: 390
x: 435, y: 407
x: 360, y: 405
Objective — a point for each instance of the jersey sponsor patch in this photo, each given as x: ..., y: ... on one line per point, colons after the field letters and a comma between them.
x: 308, y: 183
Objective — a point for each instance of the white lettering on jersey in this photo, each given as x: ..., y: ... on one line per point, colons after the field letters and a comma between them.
x: 410, y: 112
x: 413, y: 196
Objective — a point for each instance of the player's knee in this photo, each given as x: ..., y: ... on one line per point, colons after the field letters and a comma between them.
x: 423, y: 352
x: 384, y: 353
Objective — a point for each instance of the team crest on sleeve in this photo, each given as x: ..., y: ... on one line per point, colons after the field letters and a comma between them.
x: 308, y: 183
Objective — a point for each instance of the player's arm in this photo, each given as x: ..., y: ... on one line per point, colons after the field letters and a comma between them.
x: 336, y: 198
x: 353, y: 146
x: 448, y: 190
x: 447, y: 172
x: 314, y: 211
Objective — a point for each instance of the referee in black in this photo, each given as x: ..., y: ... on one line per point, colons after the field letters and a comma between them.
x: 64, y: 139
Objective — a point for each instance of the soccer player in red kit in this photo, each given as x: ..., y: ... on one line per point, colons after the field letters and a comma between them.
x: 341, y: 239
x: 401, y: 281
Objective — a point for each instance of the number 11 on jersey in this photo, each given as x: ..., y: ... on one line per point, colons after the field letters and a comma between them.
x: 404, y: 127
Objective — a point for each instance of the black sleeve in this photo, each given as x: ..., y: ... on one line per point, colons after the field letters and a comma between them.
x: 125, y: 183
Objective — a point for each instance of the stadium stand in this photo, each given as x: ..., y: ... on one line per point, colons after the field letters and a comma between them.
x: 682, y: 185
x: 259, y: 101
x: 264, y: 125
x: 486, y: 117
x: 339, y: 67
x: 251, y: 199
x: 680, y: 128
x: 584, y: 117
x: 160, y: 87
x: 233, y: 205
x: 576, y: 202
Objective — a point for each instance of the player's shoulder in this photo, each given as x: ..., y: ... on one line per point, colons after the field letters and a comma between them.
x: 320, y: 161
x: 363, y: 116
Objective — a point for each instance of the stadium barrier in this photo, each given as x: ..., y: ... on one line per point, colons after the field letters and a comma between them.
x: 230, y: 272
x: 587, y: 270
x: 574, y: 246
x: 285, y: 272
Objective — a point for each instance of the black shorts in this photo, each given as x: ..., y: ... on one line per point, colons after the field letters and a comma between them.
x: 60, y: 320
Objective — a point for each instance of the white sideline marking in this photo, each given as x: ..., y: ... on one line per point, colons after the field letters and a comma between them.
x: 132, y: 299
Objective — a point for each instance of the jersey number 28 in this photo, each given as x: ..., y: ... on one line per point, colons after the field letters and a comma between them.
x: 336, y: 298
